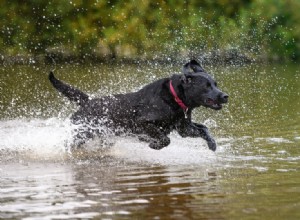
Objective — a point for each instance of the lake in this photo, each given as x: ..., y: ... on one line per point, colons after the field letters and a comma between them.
x: 254, y: 174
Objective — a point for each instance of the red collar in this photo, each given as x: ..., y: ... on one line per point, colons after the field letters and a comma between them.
x: 177, y: 99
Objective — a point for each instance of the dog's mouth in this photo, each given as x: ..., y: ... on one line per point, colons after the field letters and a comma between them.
x: 213, y: 104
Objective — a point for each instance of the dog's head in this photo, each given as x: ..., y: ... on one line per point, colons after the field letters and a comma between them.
x: 200, y: 88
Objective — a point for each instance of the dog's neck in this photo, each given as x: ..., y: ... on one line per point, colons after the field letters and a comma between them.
x: 177, y: 99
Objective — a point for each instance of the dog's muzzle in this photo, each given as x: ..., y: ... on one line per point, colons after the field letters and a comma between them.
x: 216, y: 104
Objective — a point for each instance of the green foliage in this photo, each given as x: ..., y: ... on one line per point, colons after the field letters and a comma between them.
x: 131, y: 28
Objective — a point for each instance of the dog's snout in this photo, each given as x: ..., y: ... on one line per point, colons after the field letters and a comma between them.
x: 224, y: 97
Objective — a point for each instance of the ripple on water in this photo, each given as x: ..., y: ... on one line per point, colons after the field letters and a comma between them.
x: 81, y: 215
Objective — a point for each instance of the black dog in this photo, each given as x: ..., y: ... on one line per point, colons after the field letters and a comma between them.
x: 152, y: 112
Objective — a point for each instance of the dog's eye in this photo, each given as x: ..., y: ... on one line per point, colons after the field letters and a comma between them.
x: 216, y: 84
x: 208, y: 84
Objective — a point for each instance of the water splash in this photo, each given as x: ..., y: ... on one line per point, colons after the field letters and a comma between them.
x: 35, y: 138
x: 47, y: 140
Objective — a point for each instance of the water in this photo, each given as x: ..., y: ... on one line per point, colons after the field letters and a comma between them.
x: 254, y: 174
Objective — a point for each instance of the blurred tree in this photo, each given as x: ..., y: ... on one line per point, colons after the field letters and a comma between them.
x: 147, y: 28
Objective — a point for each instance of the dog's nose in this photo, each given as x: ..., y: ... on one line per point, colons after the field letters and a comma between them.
x: 224, y: 97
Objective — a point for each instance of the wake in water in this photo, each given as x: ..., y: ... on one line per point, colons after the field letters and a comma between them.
x: 49, y: 139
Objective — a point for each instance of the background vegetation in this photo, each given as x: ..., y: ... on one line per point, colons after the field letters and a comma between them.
x: 259, y: 29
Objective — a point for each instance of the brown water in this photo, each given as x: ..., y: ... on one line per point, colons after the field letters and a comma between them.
x: 254, y: 174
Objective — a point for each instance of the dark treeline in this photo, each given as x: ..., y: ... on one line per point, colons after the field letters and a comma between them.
x: 258, y: 29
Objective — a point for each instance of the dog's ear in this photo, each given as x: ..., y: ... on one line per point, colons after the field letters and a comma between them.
x: 186, y: 78
x: 192, y: 67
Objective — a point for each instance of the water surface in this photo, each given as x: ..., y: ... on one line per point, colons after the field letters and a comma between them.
x: 254, y: 174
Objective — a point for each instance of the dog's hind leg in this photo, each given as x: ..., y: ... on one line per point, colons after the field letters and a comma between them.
x: 80, y: 136
x: 156, y: 138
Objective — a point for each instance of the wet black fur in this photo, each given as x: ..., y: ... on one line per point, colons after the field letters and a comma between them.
x: 151, y: 113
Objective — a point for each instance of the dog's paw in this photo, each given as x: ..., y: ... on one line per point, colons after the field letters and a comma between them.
x: 212, y: 145
x: 159, y: 143
x: 156, y: 146
x: 144, y: 139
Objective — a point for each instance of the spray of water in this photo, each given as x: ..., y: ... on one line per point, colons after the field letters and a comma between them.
x: 45, y: 140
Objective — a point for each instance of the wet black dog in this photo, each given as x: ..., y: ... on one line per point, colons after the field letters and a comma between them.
x: 152, y: 112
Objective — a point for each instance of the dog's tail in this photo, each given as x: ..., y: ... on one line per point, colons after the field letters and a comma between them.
x: 71, y: 93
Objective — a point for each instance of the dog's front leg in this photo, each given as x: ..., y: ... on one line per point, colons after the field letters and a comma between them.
x: 191, y: 129
x: 204, y: 133
x: 157, y: 138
